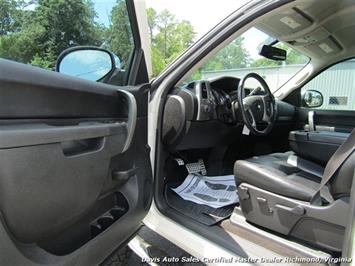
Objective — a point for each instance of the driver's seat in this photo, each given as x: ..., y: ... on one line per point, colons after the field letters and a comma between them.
x: 282, y: 173
x: 282, y: 192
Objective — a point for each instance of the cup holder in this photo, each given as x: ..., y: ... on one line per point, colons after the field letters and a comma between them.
x: 106, y: 220
x: 95, y: 229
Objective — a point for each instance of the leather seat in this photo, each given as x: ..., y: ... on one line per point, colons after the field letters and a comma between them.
x: 291, y: 176
x: 282, y: 173
x: 296, y: 197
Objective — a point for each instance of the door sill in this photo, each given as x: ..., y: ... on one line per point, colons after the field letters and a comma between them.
x: 237, y: 225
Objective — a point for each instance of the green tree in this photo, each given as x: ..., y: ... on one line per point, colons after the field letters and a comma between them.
x: 12, y: 14
x: 169, y: 38
x: 152, y: 18
x: 234, y: 55
x: 21, y: 46
x: 52, y: 26
x: 264, y: 62
x: 293, y: 57
x: 119, y: 35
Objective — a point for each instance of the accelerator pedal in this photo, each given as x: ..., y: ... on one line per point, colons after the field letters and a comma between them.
x: 196, y: 168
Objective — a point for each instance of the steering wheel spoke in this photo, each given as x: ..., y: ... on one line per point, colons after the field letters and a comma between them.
x: 251, y: 115
x: 268, y: 109
x: 246, y: 105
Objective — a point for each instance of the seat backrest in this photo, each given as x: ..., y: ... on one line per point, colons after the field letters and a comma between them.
x: 343, y: 161
x: 341, y: 182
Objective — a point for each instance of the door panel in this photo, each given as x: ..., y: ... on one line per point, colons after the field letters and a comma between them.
x: 329, y: 120
x: 75, y: 175
x: 36, y: 93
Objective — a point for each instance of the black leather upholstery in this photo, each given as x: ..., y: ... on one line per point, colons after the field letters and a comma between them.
x: 320, y: 219
x: 278, y: 173
x: 340, y: 184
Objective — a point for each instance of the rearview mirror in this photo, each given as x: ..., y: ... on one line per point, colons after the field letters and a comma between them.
x: 88, y: 63
x: 273, y: 53
x: 312, y: 99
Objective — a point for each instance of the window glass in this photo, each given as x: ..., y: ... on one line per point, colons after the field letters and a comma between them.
x: 36, y: 32
x: 176, y: 24
x: 241, y: 57
x: 337, y: 86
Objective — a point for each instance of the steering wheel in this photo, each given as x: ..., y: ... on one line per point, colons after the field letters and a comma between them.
x: 258, y: 111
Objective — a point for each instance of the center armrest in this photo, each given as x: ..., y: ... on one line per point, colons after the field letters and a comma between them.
x: 328, y: 137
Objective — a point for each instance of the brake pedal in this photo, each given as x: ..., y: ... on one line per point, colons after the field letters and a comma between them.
x: 195, y: 168
x: 179, y: 161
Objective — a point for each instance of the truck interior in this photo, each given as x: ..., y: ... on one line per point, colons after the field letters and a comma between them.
x: 293, y: 164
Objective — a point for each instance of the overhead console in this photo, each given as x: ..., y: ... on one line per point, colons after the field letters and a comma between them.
x: 286, y: 23
x: 313, y: 29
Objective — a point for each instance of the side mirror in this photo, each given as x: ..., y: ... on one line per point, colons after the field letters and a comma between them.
x: 88, y: 63
x: 312, y: 99
x: 273, y: 53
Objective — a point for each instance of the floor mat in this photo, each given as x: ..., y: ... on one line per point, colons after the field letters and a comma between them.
x: 201, y: 213
x: 213, y: 191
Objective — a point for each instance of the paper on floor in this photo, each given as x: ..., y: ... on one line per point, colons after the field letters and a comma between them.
x: 214, y: 191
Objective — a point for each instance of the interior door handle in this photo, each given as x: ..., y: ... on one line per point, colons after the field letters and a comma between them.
x: 298, y: 210
x: 77, y: 147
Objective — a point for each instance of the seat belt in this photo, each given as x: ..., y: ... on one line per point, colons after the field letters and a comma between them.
x: 335, y: 162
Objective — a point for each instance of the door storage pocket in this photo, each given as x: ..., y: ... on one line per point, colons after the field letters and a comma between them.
x: 105, y: 212
x: 43, y: 190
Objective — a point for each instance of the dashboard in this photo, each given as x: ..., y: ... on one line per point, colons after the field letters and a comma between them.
x: 204, y: 114
x: 215, y: 99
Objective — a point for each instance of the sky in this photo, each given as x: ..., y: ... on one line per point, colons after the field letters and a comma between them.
x: 202, y: 14
x: 205, y: 14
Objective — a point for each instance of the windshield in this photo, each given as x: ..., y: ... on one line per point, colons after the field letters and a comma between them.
x: 241, y: 57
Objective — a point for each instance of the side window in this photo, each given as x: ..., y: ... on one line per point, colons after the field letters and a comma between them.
x: 333, y: 89
x: 36, y: 32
